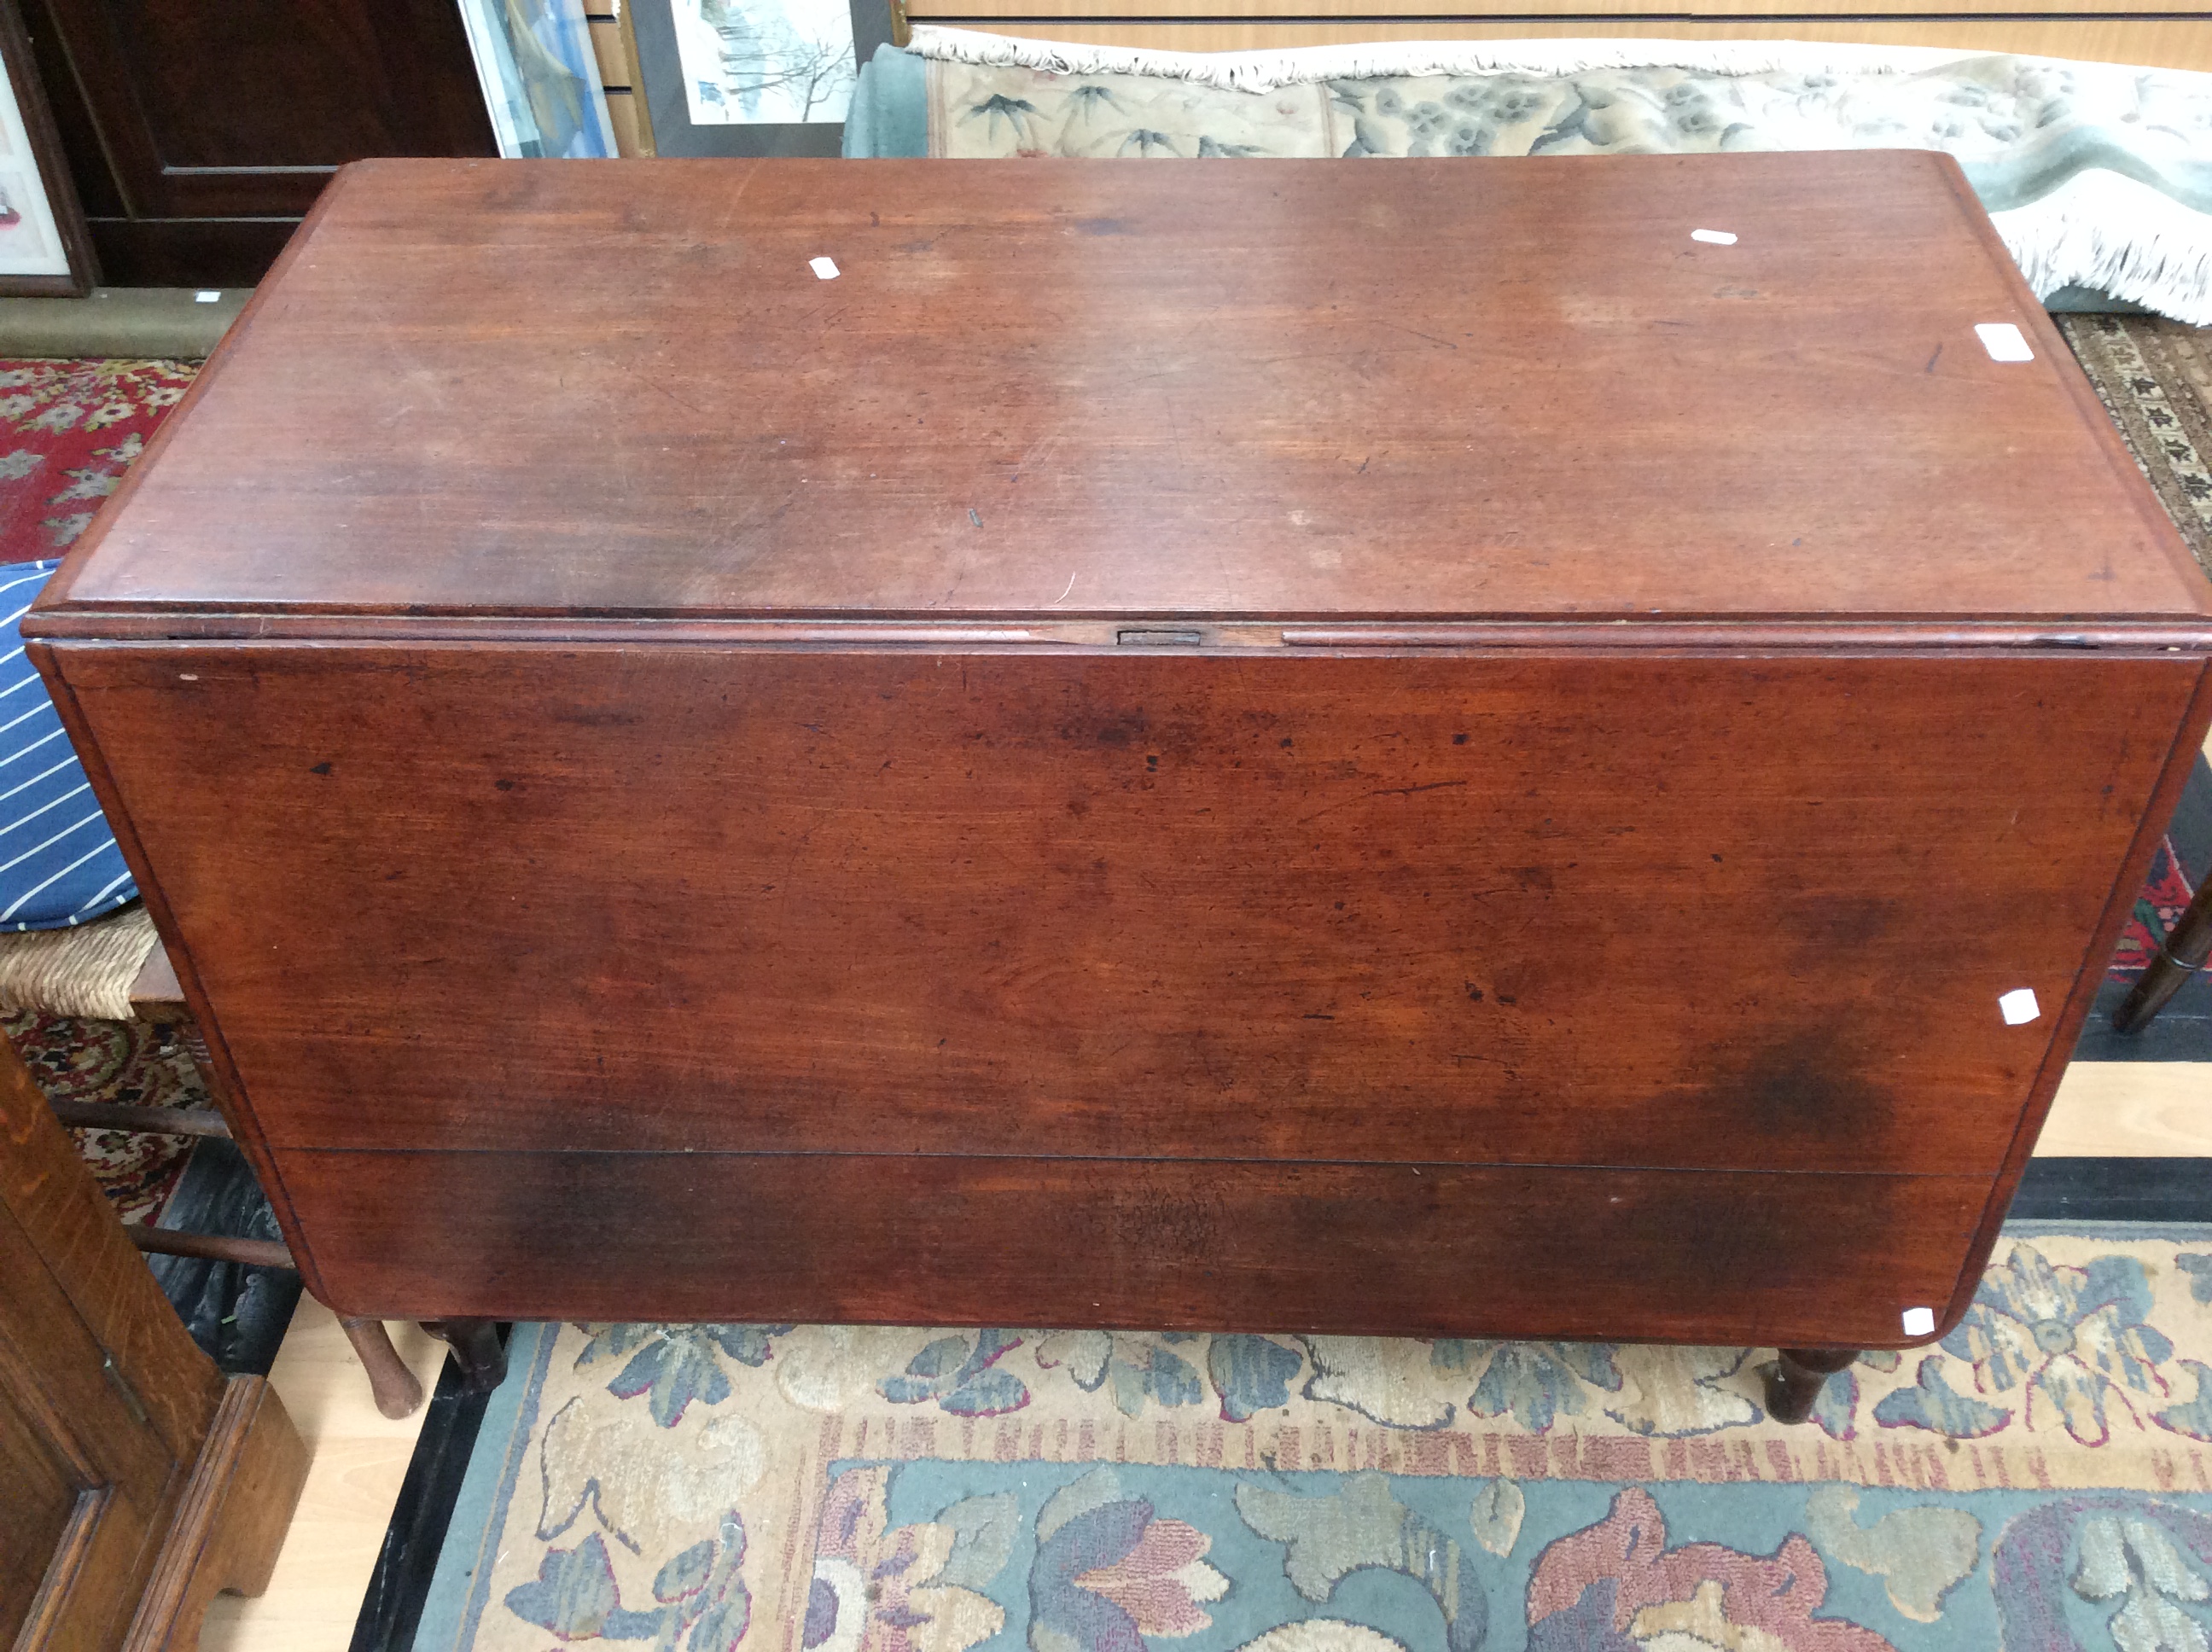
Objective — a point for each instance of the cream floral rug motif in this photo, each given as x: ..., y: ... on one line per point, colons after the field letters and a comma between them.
x: 2094, y: 175
x: 2040, y: 1478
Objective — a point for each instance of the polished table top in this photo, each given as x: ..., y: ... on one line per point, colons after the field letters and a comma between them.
x: 1435, y: 390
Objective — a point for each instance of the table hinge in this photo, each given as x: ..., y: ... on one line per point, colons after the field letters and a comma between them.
x: 1157, y: 638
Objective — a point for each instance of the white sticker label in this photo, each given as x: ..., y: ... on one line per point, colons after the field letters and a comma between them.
x: 825, y: 268
x: 1919, y: 1321
x: 2003, y: 341
x: 1715, y: 237
x: 2019, y: 1006
x: 205, y: 296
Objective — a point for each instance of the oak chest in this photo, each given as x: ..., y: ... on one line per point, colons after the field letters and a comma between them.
x: 1538, y: 748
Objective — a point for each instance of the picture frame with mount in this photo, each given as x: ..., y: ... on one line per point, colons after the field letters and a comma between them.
x: 45, y: 248
x: 752, y: 77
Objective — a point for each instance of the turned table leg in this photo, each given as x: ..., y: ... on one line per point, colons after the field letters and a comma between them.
x: 157, y: 998
x: 477, y: 1351
x: 2184, y: 954
x: 1793, y: 1382
x: 397, y: 1390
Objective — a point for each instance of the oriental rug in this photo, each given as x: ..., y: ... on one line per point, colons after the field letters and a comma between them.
x: 69, y: 429
x: 2155, y: 379
x: 2093, y: 174
x: 2041, y: 1477
x: 128, y: 1063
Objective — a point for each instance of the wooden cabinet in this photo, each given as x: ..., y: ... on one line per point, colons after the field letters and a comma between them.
x: 136, y: 1480
x: 1407, y: 750
x: 198, y: 135
x: 42, y: 1502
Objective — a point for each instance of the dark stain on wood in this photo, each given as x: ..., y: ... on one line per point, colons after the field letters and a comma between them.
x: 1805, y: 1088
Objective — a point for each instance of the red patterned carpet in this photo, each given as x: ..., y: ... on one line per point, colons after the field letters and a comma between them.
x: 2165, y: 897
x: 68, y: 432
x: 121, y: 1061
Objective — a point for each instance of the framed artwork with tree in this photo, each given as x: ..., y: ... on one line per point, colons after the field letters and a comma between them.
x: 753, y: 76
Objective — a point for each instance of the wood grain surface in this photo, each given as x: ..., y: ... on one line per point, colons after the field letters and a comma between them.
x: 79, y: 1257
x: 44, y: 1503
x: 111, y: 1421
x: 246, y: 111
x: 231, y: 1522
x: 1399, y: 1249
x: 2130, y: 1109
x: 1291, y: 389
x: 1291, y: 746
x: 357, y: 1462
x: 1489, y: 910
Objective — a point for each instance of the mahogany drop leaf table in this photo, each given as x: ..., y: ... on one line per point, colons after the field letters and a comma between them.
x: 1413, y: 749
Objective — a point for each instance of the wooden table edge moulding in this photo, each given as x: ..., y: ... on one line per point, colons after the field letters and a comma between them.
x: 1413, y: 750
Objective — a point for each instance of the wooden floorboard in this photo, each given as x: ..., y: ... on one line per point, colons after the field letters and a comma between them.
x: 359, y: 1459
x: 2131, y: 1109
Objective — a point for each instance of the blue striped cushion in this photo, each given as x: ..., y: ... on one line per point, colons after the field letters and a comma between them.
x: 58, y: 862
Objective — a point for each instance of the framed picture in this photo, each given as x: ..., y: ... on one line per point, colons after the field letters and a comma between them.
x: 541, y: 81
x: 45, y: 249
x: 753, y: 76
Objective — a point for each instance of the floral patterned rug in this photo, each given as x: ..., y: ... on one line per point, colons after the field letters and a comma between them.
x: 2041, y: 1477
x: 125, y: 1062
x: 69, y: 429
x: 2093, y: 174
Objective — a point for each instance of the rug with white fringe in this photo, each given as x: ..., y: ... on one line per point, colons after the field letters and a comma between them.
x: 2096, y: 175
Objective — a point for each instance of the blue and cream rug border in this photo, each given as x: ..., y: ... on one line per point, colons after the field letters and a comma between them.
x: 2042, y: 1478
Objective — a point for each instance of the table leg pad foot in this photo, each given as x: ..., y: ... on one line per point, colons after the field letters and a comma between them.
x: 1795, y: 1380
x: 477, y: 1350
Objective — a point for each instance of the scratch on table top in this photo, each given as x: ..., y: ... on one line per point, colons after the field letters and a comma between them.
x: 1386, y: 791
x: 1414, y: 332
x: 1062, y: 598
x: 752, y: 173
